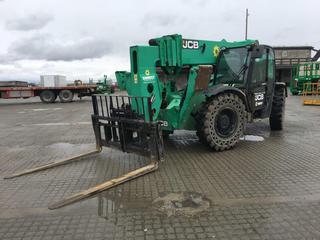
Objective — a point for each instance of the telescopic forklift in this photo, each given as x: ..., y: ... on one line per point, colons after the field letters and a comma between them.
x: 212, y: 87
x: 104, y: 86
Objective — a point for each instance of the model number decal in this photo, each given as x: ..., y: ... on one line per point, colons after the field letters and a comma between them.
x: 190, y: 44
x: 258, y: 98
x: 148, y: 78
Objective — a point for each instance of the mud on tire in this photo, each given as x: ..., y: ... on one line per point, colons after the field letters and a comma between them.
x: 220, y: 122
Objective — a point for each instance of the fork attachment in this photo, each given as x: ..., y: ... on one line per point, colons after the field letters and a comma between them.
x: 126, y: 123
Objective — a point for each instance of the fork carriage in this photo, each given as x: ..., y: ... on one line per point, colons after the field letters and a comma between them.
x: 125, y: 123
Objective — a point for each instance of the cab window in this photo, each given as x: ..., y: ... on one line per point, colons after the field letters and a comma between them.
x: 231, y: 66
x: 259, y: 71
x: 271, y: 69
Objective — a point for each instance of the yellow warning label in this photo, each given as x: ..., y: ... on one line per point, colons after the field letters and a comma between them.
x: 216, y: 51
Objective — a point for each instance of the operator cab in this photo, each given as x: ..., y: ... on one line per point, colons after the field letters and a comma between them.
x: 251, y: 69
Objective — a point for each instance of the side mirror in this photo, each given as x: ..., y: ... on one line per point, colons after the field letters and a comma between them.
x: 257, y: 52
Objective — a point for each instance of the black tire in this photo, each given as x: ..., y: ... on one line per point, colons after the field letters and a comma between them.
x: 65, y: 96
x: 166, y: 134
x: 48, y: 96
x: 277, y: 112
x: 220, y: 122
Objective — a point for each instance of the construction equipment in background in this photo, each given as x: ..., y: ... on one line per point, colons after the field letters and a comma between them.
x: 311, y: 93
x: 213, y: 87
x: 122, y: 78
x: 78, y: 82
x: 104, y: 86
x: 304, y: 73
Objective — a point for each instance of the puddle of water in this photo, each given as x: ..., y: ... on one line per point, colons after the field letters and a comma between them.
x: 187, y: 204
x: 252, y: 138
x: 112, y: 202
x: 182, y: 204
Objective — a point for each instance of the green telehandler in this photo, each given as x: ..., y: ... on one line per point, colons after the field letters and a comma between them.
x: 212, y: 87
x: 104, y: 86
x: 207, y: 86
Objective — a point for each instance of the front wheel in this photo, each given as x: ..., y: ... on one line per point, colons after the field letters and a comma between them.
x: 221, y: 121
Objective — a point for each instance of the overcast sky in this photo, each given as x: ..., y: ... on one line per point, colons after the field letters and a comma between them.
x: 88, y: 38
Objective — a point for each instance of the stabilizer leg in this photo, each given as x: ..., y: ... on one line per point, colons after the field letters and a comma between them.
x: 55, y: 163
x: 153, y: 166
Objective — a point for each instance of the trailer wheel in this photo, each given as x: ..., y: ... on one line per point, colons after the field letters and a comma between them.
x: 277, y: 112
x: 220, y: 122
x: 48, y: 96
x: 65, y: 96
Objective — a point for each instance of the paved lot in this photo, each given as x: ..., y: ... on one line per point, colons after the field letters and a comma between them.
x: 266, y: 189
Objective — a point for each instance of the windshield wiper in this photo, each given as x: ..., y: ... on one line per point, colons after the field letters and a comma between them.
x: 236, y: 76
x: 242, y: 70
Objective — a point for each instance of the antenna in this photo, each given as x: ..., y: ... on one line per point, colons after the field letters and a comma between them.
x: 247, y: 16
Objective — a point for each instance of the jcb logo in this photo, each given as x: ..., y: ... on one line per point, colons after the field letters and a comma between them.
x: 164, y: 123
x: 190, y: 44
x: 259, y: 97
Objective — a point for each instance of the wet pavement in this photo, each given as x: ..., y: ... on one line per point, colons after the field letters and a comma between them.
x: 267, y: 187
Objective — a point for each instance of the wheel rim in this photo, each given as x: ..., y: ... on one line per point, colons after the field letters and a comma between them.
x: 65, y: 95
x: 226, y: 122
x: 47, y: 96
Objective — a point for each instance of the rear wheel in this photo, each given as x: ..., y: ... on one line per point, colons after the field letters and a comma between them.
x: 65, y: 96
x: 221, y: 122
x: 277, y: 112
x: 48, y: 96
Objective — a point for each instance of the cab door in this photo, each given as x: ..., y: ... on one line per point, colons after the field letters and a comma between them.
x: 261, y: 80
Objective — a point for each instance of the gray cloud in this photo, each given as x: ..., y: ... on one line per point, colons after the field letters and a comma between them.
x: 46, y: 47
x: 158, y: 20
x: 31, y: 22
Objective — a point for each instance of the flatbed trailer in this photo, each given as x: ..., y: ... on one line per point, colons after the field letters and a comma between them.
x: 49, y: 94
